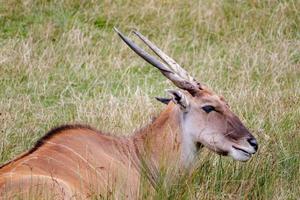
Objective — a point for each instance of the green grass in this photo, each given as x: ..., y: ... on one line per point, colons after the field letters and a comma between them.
x: 61, y: 62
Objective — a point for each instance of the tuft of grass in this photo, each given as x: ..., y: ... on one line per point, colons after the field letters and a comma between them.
x: 61, y: 62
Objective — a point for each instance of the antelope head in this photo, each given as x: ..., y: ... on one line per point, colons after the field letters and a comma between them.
x: 206, y: 118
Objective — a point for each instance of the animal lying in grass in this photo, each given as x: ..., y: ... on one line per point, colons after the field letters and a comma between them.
x: 79, y: 161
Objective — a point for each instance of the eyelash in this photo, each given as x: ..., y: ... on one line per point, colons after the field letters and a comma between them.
x: 208, y: 108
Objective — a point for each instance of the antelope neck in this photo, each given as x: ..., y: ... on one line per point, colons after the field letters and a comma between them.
x: 166, y: 140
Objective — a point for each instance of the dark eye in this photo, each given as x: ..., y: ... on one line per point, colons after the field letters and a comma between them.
x: 208, y: 109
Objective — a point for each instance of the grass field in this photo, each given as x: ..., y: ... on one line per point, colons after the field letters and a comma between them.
x: 61, y: 62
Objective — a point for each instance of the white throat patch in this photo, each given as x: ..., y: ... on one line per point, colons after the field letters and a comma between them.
x: 188, y: 146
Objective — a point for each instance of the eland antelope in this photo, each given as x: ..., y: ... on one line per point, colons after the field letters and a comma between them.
x: 77, y: 161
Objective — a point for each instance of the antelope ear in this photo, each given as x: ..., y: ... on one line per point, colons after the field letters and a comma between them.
x: 180, y: 99
x: 163, y: 100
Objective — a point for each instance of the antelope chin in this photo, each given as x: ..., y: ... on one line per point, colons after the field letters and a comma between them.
x: 239, y: 154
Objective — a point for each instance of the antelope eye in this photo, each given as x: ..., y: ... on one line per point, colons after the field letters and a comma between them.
x: 208, y: 109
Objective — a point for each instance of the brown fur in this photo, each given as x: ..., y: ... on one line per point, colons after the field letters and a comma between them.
x: 48, y: 136
x: 77, y: 160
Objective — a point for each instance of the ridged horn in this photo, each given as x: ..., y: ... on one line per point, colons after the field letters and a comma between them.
x: 170, y: 69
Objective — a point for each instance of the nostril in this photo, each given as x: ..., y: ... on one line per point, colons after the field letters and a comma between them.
x: 253, y: 142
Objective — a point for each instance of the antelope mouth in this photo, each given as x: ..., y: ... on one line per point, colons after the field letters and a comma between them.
x: 246, y: 153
